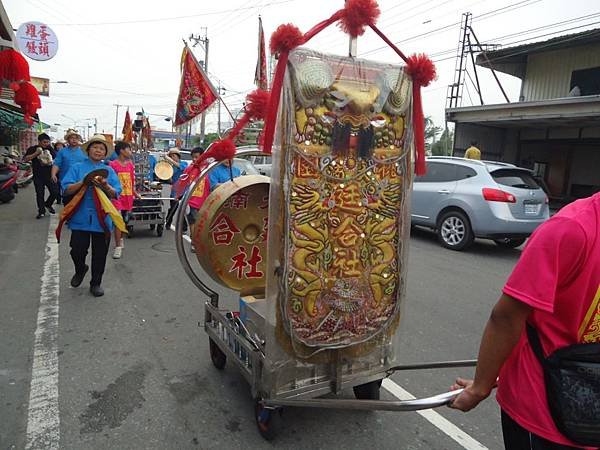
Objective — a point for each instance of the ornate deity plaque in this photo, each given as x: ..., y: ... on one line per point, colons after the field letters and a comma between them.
x: 346, y: 176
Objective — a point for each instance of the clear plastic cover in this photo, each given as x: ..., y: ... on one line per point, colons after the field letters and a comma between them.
x: 341, y: 179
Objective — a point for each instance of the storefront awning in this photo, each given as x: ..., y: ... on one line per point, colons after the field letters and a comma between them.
x: 13, y: 117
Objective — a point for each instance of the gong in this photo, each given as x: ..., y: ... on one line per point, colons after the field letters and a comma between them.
x: 230, y: 234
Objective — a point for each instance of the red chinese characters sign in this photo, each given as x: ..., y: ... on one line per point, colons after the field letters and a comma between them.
x: 37, y: 41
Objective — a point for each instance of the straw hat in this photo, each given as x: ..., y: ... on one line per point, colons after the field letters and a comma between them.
x: 102, y: 139
x: 71, y: 132
x: 175, y: 151
x: 60, y: 141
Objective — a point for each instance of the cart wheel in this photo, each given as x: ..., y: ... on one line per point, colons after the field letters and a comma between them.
x: 368, y: 391
x: 216, y: 355
x: 152, y: 227
x: 159, y: 230
x: 268, y: 420
x: 129, y: 231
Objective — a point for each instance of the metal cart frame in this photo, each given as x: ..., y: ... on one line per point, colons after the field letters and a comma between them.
x: 229, y: 339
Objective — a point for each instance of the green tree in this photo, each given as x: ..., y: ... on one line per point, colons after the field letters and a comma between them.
x: 431, y: 132
x: 443, y: 147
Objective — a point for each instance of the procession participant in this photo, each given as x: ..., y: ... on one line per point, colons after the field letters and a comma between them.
x: 223, y: 173
x: 59, y: 145
x: 555, y: 289
x: 68, y: 157
x: 126, y: 171
x: 199, y: 195
x: 41, y: 156
x: 90, y: 212
x: 173, y: 156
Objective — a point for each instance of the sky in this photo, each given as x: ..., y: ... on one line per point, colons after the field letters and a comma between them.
x: 128, y: 52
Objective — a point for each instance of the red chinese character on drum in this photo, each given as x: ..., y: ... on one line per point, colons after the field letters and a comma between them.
x: 223, y: 229
x: 240, y: 261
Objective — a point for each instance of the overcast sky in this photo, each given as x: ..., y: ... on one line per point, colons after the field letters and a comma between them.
x: 128, y: 52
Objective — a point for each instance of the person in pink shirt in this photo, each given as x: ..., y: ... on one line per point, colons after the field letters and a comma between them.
x: 126, y: 173
x: 198, y: 196
x: 555, y: 287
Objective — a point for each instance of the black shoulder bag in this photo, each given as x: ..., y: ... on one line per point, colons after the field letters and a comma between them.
x: 572, y: 378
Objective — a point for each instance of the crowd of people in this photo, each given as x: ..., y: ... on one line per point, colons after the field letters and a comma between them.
x: 69, y: 171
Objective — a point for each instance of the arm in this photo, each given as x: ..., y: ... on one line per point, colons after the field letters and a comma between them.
x: 72, y: 188
x: 501, y: 334
x: 171, y: 161
x: 56, y: 166
x: 30, y: 156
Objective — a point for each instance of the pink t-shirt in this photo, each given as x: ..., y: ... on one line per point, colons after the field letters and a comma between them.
x: 558, y: 275
x: 126, y: 174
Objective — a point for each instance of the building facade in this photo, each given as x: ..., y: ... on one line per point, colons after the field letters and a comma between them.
x: 554, y: 128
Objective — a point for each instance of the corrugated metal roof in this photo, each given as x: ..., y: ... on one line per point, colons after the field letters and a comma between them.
x: 512, y: 60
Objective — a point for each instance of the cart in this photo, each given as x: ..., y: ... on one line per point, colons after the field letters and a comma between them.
x: 147, y: 212
x: 243, y: 337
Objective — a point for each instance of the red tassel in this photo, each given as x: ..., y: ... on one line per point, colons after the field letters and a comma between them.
x: 421, y: 69
x: 285, y: 38
x: 358, y: 14
x: 28, y: 99
x: 221, y: 150
x: 257, y: 103
x: 13, y: 66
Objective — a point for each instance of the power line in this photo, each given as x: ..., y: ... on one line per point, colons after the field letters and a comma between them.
x: 166, y: 19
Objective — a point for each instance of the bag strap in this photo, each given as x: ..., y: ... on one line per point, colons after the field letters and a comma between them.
x: 534, y: 341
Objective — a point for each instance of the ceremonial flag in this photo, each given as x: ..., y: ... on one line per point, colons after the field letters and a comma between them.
x: 260, y: 74
x: 196, y: 92
x: 127, y: 128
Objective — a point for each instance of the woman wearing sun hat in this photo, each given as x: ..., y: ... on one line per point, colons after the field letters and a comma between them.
x: 174, y: 158
x: 67, y: 157
x: 84, y: 217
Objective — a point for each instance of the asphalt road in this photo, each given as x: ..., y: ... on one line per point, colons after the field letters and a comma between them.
x: 134, y: 370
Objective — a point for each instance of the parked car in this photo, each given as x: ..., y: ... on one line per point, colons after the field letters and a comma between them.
x: 262, y: 164
x: 462, y: 199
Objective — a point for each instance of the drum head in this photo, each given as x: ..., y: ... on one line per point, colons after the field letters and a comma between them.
x: 163, y: 170
x: 230, y: 235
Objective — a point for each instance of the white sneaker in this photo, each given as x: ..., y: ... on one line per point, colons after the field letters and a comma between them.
x: 118, y: 252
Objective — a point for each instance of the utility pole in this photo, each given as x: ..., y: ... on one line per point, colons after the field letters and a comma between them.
x: 117, y: 120
x: 203, y: 41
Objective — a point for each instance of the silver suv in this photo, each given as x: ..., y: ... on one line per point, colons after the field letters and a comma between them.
x: 462, y: 199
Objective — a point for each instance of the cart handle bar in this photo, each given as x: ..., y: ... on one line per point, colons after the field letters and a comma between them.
x: 434, y: 365
x: 368, y: 405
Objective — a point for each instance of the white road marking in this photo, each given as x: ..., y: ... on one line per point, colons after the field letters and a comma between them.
x: 437, y: 420
x: 43, y: 422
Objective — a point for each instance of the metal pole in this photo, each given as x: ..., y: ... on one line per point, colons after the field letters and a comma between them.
x: 95, y: 125
x: 219, y: 111
x: 475, y: 69
x: 203, y: 119
x: 489, y: 64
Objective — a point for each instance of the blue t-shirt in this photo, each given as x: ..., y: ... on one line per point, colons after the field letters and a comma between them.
x: 112, y: 157
x: 177, y: 172
x: 221, y: 174
x: 68, y: 157
x: 152, y: 163
x: 86, y: 216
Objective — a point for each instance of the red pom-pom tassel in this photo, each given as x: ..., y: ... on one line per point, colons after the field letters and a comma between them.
x: 358, y: 14
x: 13, y: 66
x: 221, y: 150
x: 285, y: 38
x: 421, y: 69
x: 257, y: 103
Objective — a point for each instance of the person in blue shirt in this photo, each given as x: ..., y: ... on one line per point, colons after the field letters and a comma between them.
x: 222, y: 174
x: 152, y: 163
x: 67, y: 157
x: 84, y: 223
x: 174, y: 158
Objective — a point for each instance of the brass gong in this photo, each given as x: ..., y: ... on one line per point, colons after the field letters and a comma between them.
x: 163, y: 170
x: 231, y: 234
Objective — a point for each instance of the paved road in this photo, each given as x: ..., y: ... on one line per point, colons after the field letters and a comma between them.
x: 134, y: 370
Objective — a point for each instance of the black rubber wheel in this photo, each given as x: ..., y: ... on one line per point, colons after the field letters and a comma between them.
x: 368, y: 391
x: 159, y: 230
x: 268, y: 420
x: 510, y: 243
x: 454, y: 231
x: 217, y: 356
x: 152, y: 227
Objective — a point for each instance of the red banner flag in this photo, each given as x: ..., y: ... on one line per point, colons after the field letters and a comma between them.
x: 127, y: 128
x: 196, y: 92
x: 260, y: 74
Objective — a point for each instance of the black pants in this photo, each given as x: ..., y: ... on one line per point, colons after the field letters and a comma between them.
x: 41, y: 184
x: 518, y: 438
x: 80, y: 242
